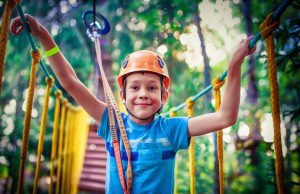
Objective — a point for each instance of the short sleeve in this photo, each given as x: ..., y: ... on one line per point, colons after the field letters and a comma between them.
x: 103, y: 127
x: 176, y: 129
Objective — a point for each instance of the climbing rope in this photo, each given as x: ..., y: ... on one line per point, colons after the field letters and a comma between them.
x: 42, y: 132
x: 65, y: 150
x: 58, y: 96
x: 69, y: 152
x: 9, y: 6
x: 267, y: 28
x: 173, y: 114
x: 36, y: 57
x: 190, y: 104
x: 217, y: 84
x: 60, y: 145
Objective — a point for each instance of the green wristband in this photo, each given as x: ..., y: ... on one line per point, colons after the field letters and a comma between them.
x: 52, y: 51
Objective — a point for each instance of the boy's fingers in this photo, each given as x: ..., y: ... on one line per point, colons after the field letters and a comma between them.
x: 16, y: 26
x: 252, y: 50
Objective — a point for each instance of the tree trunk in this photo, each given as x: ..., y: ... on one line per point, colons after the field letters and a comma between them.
x: 252, y: 92
x: 207, y: 96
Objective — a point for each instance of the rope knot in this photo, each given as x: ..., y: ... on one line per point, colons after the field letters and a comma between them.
x: 268, y: 26
x: 64, y: 102
x: 217, y: 83
x: 189, y: 103
x: 58, y: 94
x: 36, y: 56
x: 50, y: 81
x: 172, y: 112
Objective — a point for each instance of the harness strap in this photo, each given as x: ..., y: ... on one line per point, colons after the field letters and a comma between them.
x: 113, y: 110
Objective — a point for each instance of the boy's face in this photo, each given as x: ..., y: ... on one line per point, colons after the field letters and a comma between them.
x: 143, y: 95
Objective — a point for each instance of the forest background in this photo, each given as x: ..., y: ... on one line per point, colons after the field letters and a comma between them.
x: 196, y: 39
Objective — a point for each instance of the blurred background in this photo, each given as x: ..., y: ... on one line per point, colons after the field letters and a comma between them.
x: 196, y: 40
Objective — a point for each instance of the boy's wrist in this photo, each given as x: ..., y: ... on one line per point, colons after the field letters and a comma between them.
x: 46, y: 39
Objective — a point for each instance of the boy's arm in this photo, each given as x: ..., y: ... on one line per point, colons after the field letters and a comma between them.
x: 227, y: 114
x: 63, y: 69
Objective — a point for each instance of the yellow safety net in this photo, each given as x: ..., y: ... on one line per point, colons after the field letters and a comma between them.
x: 75, y: 140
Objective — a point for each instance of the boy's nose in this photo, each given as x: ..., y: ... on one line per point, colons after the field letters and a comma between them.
x: 143, y: 94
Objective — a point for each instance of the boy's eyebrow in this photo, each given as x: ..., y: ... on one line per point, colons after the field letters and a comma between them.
x: 138, y: 81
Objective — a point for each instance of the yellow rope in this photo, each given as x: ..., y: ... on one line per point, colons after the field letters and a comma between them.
x: 267, y: 28
x: 190, y: 112
x: 70, y: 152
x: 65, y: 154
x: 35, y: 60
x: 58, y: 96
x: 50, y: 83
x: 10, y: 5
x: 60, y: 146
x: 173, y: 114
x: 217, y: 84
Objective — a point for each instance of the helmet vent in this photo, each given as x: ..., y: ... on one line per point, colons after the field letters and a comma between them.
x: 161, y: 62
x: 125, y: 62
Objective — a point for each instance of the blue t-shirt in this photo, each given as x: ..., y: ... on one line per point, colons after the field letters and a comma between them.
x: 153, y: 149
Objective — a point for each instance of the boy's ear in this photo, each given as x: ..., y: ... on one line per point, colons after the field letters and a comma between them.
x: 165, y: 97
x: 122, y: 95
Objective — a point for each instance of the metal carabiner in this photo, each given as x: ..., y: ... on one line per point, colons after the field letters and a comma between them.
x: 94, y: 29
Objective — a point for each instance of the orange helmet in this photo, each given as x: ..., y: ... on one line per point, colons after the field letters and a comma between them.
x: 144, y: 60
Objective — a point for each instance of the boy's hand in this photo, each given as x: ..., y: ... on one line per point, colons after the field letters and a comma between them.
x: 242, y: 51
x: 16, y: 26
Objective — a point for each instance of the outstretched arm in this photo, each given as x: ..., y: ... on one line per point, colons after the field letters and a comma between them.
x: 62, y: 69
x: 227, y: 114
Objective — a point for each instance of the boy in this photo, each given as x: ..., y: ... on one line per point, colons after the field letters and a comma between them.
x: 144, y: 84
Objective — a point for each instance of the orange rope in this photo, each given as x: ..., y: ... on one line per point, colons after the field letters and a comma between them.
x: 58, y: 96
x: 10, y: 5
x: 267, y: 28
x: 217, y: 84
x: 190, y: 106
x: 36, y: 57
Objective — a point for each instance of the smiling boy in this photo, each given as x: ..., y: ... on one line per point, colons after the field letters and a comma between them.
x: 144, y: 83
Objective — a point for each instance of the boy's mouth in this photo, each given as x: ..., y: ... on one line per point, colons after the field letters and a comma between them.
x: 142, y: 104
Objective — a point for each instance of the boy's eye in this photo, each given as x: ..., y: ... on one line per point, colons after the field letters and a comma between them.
x: 134, y: 87
x: 152, y: 88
